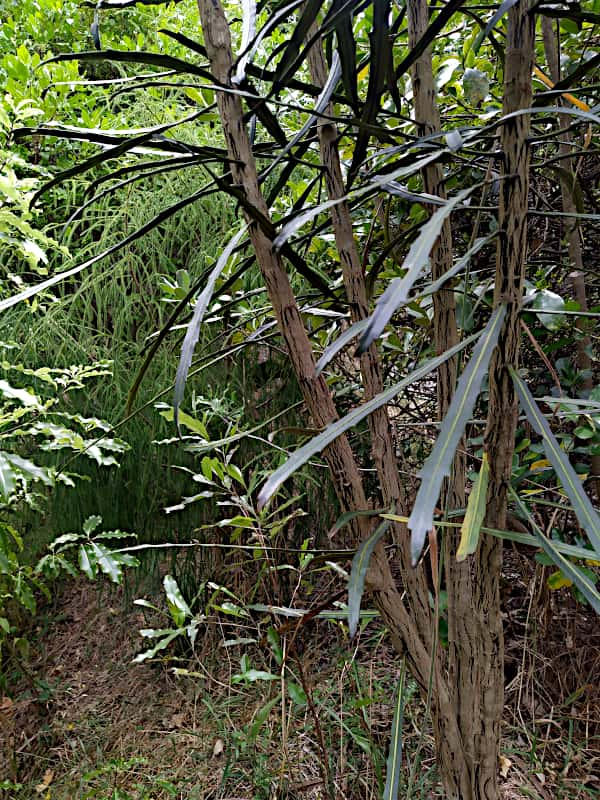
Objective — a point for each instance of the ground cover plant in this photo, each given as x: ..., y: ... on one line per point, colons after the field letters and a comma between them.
x: 392, y: 341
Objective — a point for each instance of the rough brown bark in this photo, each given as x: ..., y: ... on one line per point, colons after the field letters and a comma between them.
x: 342, y: 464
x: 462, y: 650
x: 315, y: 392
x: 511, y: 257
x: 382, y: 443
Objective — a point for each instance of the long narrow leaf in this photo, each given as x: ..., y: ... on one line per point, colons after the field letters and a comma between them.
x: 496, y: 17
x: 381, y: 55
x: 290, y: 60
x: 587, y: 516
x: 340, y: 426
x: 193, y: 331
x: 570, y: 550
x: 415, y: 262
x: 358, y: 573
x: 293, y: 226
x: 320, y: 106
x: 439, y: 463
x: 248, y: 34
x: 134, y: 57
x: 334, y: 348
x: 570, y: 570
x: 394, y: 760
x: 471, y: 527
x: 347, y: 53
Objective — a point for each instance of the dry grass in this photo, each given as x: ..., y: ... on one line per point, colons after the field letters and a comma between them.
x: 87, y: 723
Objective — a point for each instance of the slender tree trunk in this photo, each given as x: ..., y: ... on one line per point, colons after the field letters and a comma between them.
x: 382, y: 443
x: 511, y: 258
x: 457, y: 772
x: 572, y: 227
x: 342, y: 464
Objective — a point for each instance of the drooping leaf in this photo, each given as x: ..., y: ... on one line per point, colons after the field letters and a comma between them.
x: 134, y: 57
x: 586, y: 515
x: 178, y: 608
x: 117, y: 4
x: 320, y: 106
x: 439, y: 462
x: 124, y: 146
x: 496, y: 17
x: 337, y: 428
x: 290, y: 61
x: 347, y: 51
x: 7, y: 477
x: 586, y: 67
x: 358, y: 573
x: 397, y: 292
x: 381, y: 54
x: 334, y: 348
x: 376, y: 184
x: 269, y: 26
x: 471, y: 527
x: 248, y: 34
x: 193, y: 331
x: 568, y: 569
x: 573, y: 12
x: 394, y: 760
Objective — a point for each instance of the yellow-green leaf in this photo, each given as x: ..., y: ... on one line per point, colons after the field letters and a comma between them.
x: 469, y: 532
x: 557, y: 580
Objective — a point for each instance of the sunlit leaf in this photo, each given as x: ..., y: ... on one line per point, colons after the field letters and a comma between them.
x: 471, y: 527
x: 178, y: 608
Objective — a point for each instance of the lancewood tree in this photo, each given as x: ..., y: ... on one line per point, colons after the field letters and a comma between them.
x: 347, y: 95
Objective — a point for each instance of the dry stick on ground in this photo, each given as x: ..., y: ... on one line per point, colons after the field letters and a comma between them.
x: 573, y: 229
x: 511, y: 257
x: 403, y: 629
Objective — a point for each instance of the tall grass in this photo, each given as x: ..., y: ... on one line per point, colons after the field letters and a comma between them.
x: 109, y: 313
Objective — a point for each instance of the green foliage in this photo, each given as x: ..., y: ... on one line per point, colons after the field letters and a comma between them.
x: 33, y: 423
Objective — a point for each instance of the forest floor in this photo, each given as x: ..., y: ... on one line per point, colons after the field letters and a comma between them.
x: 83, y: 721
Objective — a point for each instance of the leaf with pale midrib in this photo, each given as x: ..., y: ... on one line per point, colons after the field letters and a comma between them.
x: 439, y: 463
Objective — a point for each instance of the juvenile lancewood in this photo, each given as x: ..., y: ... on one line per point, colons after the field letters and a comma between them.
x: 458, y: 774
x: 344, y: 470
x: 382, y: 443
x: 511, y: 257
